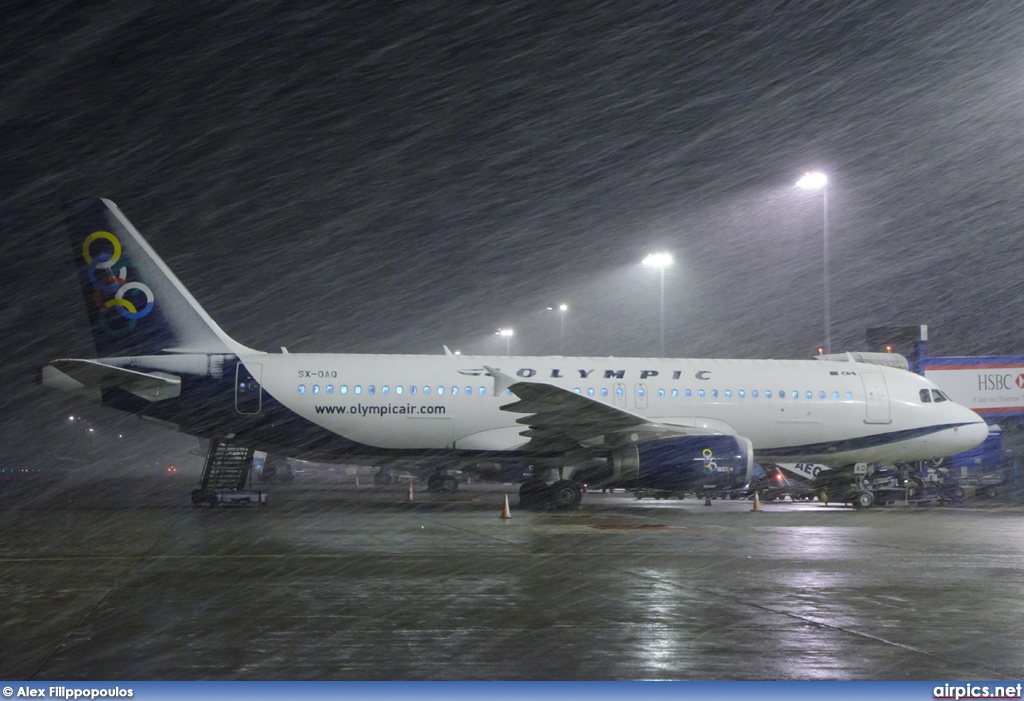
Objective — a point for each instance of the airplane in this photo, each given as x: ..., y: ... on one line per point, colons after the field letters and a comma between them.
x: 672, y: 424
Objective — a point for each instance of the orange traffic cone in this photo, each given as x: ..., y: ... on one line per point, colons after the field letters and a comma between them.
x: 757, y: 502
x: 410, y: 491
x: 505, y: 513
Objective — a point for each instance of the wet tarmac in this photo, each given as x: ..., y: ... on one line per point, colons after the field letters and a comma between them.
x: 123, y: 579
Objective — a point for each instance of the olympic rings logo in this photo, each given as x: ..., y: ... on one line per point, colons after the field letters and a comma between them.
x: 710, y: 465
x: 127, y: 297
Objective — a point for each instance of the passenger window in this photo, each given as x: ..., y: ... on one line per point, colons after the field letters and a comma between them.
x: 938, y: 396
x: 753, y: 394
x: 821, y: 395
x: 618, y: 392
x: 742, y: 393
x: 768, y: 393
x: 469, y: 391
x: 675, y: 393
x: 330, y: 389
x: 412, y: 389
x: 302, y: 389
x: 576, y: 390
x: 714, y: 393
x: 440, y: 389
x: 700, y: 393
x: 849, y: 395
x: 371, y: 389
x: 810, y: 395
x: 384, y: 389
x: 508, y: 392
x: 796, y: 395
x: 483, y: 391
x: 426, y: 389
x: 343, y: 389
x: 455, y: 391
x: 590, y: 391
x: 782, y: 394
x: 661, y: 393
x: 835, y: 395
x: 728, y: 393
x: 358, y: 389
x: 640, y: 392
x: 604, y: 391
x: 398, y: 389
x: 689, y: 393
x: 926, y: 397
x: 316, y: 389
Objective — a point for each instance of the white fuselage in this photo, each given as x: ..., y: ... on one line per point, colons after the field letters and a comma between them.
x: 826, y: 411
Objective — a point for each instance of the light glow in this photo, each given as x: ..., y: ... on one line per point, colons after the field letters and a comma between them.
x: 812, y: 180
x: 658, y: 260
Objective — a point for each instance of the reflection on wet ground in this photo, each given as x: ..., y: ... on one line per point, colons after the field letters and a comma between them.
x: 115, y: 579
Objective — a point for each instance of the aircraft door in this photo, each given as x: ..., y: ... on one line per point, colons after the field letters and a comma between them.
x: 248, y: 391
x: 641, y: 395
x: 619, y: 390
x: 876, y: 398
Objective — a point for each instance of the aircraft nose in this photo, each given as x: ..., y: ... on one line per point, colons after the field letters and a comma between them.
x: 974, y: 433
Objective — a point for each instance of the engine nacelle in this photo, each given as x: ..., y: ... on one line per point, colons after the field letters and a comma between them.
x: 685, y: 463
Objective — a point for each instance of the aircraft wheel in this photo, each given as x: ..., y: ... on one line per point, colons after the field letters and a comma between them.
x: 566, y: 494
x: 533, y: 494
x: 449, y: 485
x: 434, y: 483
x: 864, y: 500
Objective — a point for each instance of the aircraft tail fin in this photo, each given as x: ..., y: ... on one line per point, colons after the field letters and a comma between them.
x: 135, y: 303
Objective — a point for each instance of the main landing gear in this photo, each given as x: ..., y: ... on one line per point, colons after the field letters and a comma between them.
x: 562, y: 495
x: 438, y: 482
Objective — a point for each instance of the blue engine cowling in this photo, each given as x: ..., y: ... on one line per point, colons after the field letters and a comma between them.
x: 685, y: 463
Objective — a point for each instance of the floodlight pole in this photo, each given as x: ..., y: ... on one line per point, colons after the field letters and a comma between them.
x: 814, y: 181
x: 828, y: 319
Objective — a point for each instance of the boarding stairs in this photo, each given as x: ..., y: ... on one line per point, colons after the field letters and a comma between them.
x: 225, y: 474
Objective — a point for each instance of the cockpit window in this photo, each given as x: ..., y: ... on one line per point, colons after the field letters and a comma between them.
x: 926, y: 397
x: 939, y: 396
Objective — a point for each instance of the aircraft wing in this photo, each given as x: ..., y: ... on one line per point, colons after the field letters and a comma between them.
x: 558, y: 418
x: 77, y: 374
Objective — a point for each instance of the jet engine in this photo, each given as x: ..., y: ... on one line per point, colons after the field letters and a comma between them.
x: 685, y: 463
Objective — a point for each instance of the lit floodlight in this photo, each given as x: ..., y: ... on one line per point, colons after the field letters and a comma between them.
x: 563, y: 307
x: 505, y: 332
x: 812, y: 181
x: 658, y: 260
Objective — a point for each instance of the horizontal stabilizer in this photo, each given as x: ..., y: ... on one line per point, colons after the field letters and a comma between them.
x: 76, y: 374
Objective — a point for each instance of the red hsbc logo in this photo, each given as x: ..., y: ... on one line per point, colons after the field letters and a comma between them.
x: 1020, y: 381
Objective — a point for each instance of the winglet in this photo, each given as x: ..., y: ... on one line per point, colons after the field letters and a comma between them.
x: 447, y: 351
x: 501, y: 381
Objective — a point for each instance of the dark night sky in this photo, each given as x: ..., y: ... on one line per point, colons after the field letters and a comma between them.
x: 378, y: 177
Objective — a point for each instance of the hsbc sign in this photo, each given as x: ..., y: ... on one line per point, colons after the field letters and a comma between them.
x: 995, y: 380
x: 991, y: 388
